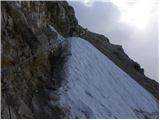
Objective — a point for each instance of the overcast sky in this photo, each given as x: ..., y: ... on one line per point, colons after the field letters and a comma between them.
x: 132, y: 25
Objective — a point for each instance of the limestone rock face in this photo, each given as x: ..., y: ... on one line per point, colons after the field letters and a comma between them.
x: 27, y: 62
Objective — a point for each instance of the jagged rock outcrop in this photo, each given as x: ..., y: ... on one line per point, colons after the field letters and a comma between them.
x: 30, y: 68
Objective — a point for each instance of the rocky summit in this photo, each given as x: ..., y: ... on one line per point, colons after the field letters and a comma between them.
x: 51, y: 67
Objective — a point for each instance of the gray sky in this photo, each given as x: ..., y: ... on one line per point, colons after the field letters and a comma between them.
x: 135, y: 29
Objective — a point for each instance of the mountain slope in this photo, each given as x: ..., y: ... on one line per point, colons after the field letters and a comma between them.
x: 121, y: 59
x: 96, y: 88
x: 33, y: 60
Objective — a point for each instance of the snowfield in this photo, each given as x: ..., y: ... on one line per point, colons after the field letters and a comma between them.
x: 96, y: 88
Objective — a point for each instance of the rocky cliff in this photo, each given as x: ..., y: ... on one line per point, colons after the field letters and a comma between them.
x: 32, y: 56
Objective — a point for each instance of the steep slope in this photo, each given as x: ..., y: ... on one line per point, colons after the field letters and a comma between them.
x: 121, y: 59
x: 32, y: 58
x: 96, y: 88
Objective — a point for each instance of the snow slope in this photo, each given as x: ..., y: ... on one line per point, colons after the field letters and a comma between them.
x: 96, y: 88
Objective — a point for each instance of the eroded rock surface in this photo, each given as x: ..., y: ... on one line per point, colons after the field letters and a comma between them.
x: 28, y: 63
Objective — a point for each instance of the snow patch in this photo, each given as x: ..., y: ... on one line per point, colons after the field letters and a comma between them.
x: 96, y: 88
x: 60, y: 38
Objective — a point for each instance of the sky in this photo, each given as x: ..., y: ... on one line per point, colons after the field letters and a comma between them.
x: 131, y: 23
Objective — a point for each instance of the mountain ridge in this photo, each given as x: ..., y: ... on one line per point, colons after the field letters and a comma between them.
x: 25, y: 28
